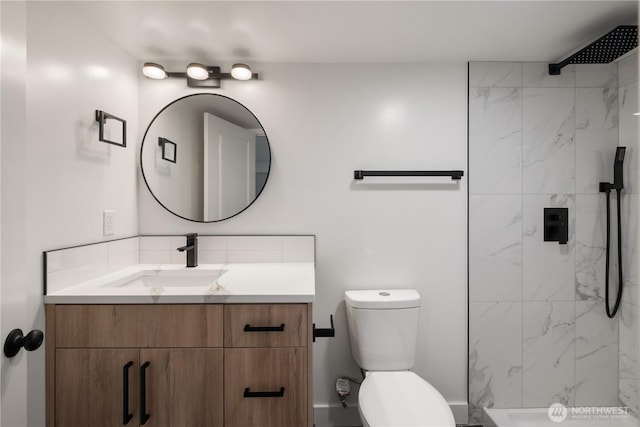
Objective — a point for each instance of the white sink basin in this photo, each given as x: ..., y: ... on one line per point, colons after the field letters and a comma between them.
x: 168, y: 279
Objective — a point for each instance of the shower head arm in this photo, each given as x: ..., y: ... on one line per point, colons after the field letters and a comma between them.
x: 606, y: 49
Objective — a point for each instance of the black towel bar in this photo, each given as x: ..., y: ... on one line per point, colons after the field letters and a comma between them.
x: 454, y: 174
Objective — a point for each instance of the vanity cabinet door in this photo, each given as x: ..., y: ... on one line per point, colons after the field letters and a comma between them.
x: 265, y: 387
x: 183, y: 387
x: 92, y: 385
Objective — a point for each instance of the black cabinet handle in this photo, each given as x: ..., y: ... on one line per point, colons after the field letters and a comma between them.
x: 248, y: 393
x: 249, y: 328
x: 143, y: 393
x: 126, y: 416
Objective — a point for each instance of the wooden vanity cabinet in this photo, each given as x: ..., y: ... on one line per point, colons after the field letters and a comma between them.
x: 109, y: 365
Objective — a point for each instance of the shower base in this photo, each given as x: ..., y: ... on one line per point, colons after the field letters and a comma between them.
x: 539, y: 417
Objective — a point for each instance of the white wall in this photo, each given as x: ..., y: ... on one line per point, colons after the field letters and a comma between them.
x: 323, y: 121
x: 13, y: 380
x: 63, y: 177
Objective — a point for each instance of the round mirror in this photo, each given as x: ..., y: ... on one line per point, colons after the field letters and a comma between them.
x: 205, y: 157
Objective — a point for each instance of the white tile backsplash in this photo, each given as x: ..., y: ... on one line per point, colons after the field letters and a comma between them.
x: 73, y: 275
x: 298, y: 243
x: 156, y: 243
x: 307, y: 255
x: 247, y: 255
x: 73, y: 257
x: 156, y: 257
x: 68, y: 267
x: 212, y: 243
x: 118, y: 262
x: 254, y: 243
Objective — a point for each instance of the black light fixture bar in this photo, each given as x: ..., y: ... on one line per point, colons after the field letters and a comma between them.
x: 454, y: 174
x: 211, y: 79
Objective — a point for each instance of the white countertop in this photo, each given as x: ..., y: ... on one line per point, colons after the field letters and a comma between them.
x: 228, y: 283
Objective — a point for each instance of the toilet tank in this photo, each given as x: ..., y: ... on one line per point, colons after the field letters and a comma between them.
x: 383, y: 327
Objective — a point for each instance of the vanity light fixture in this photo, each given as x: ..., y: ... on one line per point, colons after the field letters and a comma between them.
x: 241, y: 72
x: 197, y: 71
x: 199, y: 75
x: 154, y: 71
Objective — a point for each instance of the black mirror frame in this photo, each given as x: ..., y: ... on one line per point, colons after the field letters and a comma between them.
x: 145, y: 178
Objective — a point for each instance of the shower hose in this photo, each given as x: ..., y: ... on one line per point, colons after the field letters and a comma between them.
x: 610, y: 313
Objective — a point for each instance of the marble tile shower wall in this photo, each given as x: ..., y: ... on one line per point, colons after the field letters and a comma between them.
x: 629, y: 365
x: 538, y: 333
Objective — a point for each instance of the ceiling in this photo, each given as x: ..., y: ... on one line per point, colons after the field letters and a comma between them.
x: 215, y: 32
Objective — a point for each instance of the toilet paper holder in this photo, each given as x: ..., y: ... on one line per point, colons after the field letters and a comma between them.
x: 324, y: 332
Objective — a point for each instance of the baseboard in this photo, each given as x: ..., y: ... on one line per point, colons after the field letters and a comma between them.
x: 460, y: 412
x: 337, y: 416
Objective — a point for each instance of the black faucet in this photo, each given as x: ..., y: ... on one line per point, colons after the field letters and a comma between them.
x: 192, y: 249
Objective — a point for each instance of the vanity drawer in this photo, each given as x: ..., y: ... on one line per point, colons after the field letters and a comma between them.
x: 265, y: 325
x: 138, y: 325
x: 265, y: 387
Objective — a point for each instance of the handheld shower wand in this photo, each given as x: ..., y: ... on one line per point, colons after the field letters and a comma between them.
x: 606, y: 188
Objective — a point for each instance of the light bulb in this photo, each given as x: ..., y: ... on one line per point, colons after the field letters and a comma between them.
x: 154, y: 71
x: 241, y: 72
x: 197, y: 71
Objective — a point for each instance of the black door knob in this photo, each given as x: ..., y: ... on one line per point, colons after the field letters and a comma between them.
x: 15, y: 341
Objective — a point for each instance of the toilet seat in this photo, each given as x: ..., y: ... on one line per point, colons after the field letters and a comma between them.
x: 402, y: 399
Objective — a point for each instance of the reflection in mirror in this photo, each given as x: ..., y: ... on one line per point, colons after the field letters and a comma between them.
x: 169, y: 149
x: 224, y: 157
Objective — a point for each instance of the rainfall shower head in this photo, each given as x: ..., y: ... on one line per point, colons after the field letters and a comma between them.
x: 607, y: 48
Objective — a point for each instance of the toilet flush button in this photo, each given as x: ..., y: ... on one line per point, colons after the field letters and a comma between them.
x: 384, y: 294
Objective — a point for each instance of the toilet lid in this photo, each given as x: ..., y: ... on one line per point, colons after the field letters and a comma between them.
x: 402, y: 399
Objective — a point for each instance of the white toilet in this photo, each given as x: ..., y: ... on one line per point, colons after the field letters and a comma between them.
x: 383, y: 326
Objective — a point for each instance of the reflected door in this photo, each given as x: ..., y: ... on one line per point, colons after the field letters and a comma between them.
x: 229, y: 168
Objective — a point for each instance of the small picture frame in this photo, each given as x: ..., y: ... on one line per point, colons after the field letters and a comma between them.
x: 169, y: 149
x: 111, y: 129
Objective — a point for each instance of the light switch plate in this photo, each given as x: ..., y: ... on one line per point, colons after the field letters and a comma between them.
x: 108, y: 223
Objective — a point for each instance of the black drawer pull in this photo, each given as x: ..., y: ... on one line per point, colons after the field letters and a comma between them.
x: 248, y: 393
x: 126, y: 416
x: 249, y: 328
x: 143, y: 393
